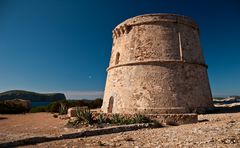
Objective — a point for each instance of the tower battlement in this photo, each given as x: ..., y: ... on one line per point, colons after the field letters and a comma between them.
x: 125, y: 26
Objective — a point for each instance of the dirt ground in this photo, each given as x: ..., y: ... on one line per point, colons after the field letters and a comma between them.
x: 13, y: 127
x: 212, y: 130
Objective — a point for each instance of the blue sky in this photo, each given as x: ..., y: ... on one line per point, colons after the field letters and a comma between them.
x: 65, y: 45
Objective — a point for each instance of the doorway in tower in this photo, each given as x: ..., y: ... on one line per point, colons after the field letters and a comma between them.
x: 110, y: 104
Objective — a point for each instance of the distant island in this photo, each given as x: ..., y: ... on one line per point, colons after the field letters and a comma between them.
x: 31, y: 96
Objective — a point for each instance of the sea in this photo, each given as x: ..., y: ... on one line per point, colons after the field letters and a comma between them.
x: 36, y: 104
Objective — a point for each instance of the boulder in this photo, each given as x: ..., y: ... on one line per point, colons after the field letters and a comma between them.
x: 19, y: 102
x: 14, y: 106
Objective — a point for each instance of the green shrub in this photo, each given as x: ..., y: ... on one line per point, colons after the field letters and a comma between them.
x: 128, y: 121
x: 139, y: 118
x: 97, y: 103
x: 101, y: 119
x: 118, y: 119
x: 53, y: 107
x: 63, y: 109
x: 84, y: 116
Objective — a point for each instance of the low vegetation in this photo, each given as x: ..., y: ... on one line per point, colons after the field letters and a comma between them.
x: 85, y: 117
x: 137, y: 118
x: 61, y: 107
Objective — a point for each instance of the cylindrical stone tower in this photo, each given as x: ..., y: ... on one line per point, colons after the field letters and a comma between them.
x: 156, y: 67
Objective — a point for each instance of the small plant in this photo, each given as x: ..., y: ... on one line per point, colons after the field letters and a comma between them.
x: 84, y: 116
x: 117, y: 119
x: 139, y: 118
x: 128, y: 121
x: 53, y: 107
x: 101, y: 119
x: 62, y: 109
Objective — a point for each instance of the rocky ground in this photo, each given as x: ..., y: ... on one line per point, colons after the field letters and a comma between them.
x: 220, y: 129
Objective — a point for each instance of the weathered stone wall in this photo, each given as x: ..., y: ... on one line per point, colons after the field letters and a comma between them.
x: 156, y: 66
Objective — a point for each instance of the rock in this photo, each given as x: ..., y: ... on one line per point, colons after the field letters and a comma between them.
x: 55, y: 115
x: 230, y: 140
x: 63, y: 117
x: 72, y: 112
x: 25, y: 103
x: 174, y: 119
x: 15, y: 106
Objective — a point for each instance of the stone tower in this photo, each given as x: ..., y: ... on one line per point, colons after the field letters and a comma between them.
x: 157, y: 67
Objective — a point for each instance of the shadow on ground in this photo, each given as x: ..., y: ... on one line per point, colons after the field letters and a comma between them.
x: 2, y: 118
x: 96, y: 132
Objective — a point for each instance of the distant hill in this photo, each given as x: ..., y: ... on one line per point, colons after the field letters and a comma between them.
x: 32, y: 96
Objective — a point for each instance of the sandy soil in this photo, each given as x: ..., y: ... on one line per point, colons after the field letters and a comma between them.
x: 19, y: 126
x: 213, y: 130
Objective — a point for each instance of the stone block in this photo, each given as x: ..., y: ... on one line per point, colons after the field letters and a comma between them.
x: 174, y: 119
x: 72, y: 112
